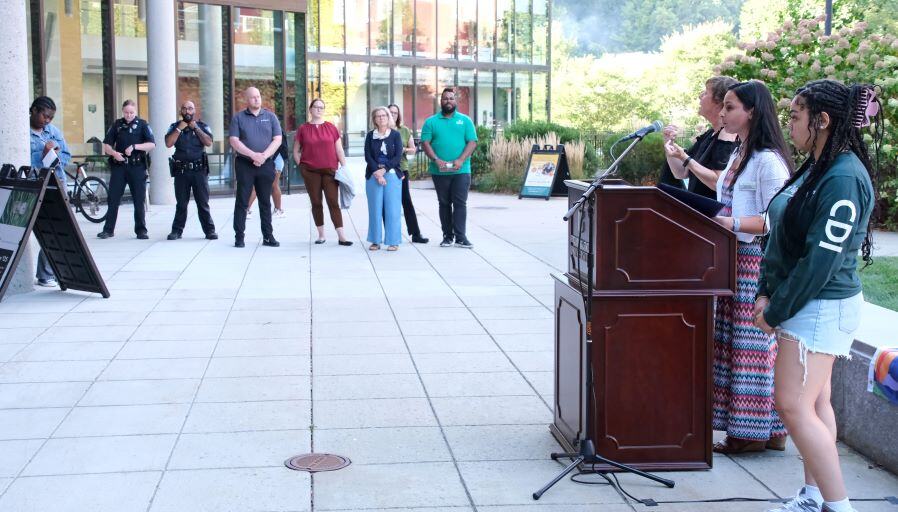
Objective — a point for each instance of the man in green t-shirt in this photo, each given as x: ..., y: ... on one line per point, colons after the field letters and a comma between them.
x: 449, y: 138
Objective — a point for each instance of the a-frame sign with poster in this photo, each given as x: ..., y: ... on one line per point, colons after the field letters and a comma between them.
x: 545, y: 173
x: 35, y: 201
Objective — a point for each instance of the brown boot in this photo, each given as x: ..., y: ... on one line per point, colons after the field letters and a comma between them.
x: 776, y: 443
x: 733, y: 445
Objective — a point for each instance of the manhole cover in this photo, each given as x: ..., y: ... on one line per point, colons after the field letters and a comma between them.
x: 490, y: 207
x: 314, y: 462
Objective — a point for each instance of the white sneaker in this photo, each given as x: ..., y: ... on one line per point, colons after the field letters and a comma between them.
x: 279, y: 213
x: 799, y: 503
x: 49, y: 283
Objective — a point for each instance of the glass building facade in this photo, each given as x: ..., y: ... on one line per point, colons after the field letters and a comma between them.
x: 365, y: 53
x: 90, y: 55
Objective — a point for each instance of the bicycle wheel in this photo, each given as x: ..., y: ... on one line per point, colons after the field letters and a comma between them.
x: 93, y: 198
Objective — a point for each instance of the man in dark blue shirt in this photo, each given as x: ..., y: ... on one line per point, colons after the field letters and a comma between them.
x: 255, y: 135
x: 190, y: 168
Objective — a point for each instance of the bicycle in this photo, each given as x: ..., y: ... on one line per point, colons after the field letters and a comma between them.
x: 89, y: 194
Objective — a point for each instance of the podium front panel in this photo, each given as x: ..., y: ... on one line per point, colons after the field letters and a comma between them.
x: 647, y: 241
x: 651, y: 359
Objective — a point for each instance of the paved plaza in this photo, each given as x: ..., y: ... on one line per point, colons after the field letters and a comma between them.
x: 430, y: 368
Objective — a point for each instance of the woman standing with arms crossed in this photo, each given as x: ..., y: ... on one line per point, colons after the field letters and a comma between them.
x: 810, y: 293
x: 744, y: 355
x: 408, y: 209
x: 383, y: 152
x: 318, y: 150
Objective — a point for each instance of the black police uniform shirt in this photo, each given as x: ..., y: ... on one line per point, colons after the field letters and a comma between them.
x: 188, y: 146
x: 123, y: 134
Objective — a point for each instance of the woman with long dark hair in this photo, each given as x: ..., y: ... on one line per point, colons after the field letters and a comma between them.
x: 810, y: 294
x: 744, y: 355
x: 408, y: 145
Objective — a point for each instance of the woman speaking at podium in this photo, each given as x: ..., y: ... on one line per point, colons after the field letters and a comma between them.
x: 744, y: 355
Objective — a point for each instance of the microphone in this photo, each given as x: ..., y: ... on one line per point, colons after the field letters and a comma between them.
x: 657, y: 126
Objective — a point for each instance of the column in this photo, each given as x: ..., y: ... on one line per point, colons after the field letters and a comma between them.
x: 163, y: 93
x: 211, y: 69
x: 14, y: 137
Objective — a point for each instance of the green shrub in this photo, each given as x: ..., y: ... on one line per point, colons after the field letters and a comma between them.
x: 643, y: 163
x: 480, y: 159
x: 538, y: 129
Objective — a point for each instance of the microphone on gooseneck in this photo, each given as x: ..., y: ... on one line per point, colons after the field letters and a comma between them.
x: 657, y: 126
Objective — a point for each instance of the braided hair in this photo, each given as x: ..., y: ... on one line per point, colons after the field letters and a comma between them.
x: 764, y: 131
x: 41, y: 104
x: 843, y: 104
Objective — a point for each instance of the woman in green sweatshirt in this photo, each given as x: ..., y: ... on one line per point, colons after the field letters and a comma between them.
x: 809, y: 291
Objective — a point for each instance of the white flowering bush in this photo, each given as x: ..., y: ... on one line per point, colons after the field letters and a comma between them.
x: 800, y: 52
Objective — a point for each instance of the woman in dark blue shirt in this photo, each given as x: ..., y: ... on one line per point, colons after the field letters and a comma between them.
x: 383, y: 181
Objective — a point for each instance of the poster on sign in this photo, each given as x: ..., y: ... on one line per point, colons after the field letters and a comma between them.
x: 16, y: 210
x: 545, y: 172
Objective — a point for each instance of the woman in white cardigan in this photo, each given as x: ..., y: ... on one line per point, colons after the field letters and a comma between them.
x: 744, y: 355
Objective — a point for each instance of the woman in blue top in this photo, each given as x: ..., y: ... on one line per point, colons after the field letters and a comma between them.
x: 383, y: 181
x: 809, y: 291
x: 45, y: 138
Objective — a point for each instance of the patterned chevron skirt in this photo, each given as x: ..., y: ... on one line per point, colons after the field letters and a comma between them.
x: 743, y: 359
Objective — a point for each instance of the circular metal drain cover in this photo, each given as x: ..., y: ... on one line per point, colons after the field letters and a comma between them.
x: 315, y: 462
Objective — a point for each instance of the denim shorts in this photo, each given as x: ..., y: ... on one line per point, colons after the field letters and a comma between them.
x: 825, y: 326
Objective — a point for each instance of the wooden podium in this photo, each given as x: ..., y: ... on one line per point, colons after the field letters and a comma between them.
x: 658, y: 265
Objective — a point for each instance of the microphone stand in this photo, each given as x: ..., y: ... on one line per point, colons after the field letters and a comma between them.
x: 587, y: 453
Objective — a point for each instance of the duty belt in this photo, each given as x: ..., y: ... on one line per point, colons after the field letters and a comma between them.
x: 129, y: 160
x: 195, y: 165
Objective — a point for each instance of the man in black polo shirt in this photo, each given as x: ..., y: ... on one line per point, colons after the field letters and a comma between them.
x: 190, y: 168
x: 255, y: 135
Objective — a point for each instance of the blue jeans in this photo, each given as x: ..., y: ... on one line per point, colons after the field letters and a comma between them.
x: 384, y: 210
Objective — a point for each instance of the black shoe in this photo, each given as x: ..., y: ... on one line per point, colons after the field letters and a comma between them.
x: 464, y: 243
x: 447, y: 241
x: 104, y: 235
x: 143, y: 236
x: 212, y: 236
x: 174, y: 235
x: 270, y: 242
x: 345, y: 243
x: 238, y: 242
x: 418, y: 239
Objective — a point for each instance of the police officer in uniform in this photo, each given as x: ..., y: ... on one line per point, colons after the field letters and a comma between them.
x: 127, y: 144
x: 190, y: 168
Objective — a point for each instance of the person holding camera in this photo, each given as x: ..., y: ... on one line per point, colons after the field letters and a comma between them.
x: 127, y: 143
x: 190, y: 169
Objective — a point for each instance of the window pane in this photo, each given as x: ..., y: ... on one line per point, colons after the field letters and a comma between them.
x: 540, y: 32
x: 313, y: 83
x: 539, y: 97
x: 503, y: 98
x: 73, y: 65
x: 357, y: 106
x: 403, y: 27
x: 523, y: 40
x: 357, y: 30
x: 380, y: 85
x: 380, y: 27
x: 200, y: 68
x: 447, y: 28
x: 313, y: 27
x: 425, y: 36
x: 330, y: 14
x: 254, y: 56
x: 522, y: 95
x: 467, y: 30
x: 486, y: 29
x: 404, y: 94
x: 425, y: 94
x: 464, y: 92
x: 333, y: 92
x: 485, y: 98
x: 505, y: 15
x: 130, y: 56
x: 292, y: 95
